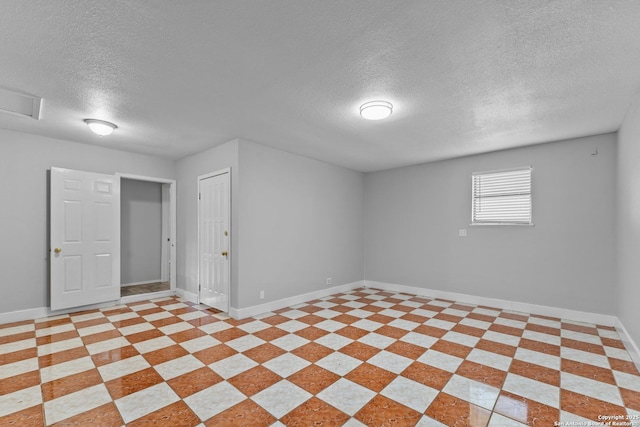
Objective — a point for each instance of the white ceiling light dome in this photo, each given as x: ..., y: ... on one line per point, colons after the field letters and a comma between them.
x: 376, y: 110
x: 100, y: 127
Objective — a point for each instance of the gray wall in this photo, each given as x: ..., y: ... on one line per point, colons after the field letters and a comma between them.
x: 140, y: 231
x: 188, y: 169
x: 301, y: 222
x: 294, y: 222
x: 628, y: 224
x: 413, y: 214
x: 24, y: 162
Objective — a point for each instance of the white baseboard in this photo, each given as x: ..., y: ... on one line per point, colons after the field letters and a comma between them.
x: 629, y: 344
x: 141, y: 283
x: 254, y: 310
x: 41, y: 312
x: 189, y: 296
x: 563, y: 313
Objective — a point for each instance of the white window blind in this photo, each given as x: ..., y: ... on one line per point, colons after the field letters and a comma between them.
x: 501, y: 197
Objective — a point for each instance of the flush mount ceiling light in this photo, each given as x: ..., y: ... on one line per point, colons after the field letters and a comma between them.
x: 376, y: 110
x: 100, y: 127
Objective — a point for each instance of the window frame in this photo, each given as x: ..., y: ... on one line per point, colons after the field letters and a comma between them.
x: 499, y: 224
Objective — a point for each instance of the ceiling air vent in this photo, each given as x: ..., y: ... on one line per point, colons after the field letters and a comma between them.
x: 20, y: 104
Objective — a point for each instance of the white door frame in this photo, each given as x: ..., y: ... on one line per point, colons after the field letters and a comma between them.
x: 172, y: 214
x: 200, y: 178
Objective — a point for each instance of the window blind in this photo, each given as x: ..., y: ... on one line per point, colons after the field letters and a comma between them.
x: 501, y: 197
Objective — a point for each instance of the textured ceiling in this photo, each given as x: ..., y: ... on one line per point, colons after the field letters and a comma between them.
x: 465, y: 77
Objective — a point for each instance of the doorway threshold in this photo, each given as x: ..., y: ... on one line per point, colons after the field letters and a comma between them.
x: 151, y: 295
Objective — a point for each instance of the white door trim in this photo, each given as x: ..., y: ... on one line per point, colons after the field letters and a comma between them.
x: 172, y: 214
x: 200, y: 178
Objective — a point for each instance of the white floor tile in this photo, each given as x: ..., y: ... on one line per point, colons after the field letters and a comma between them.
x: 232, y: 366
x: 534, y: 390
x: 58, y: 329
x: 597, y: 389
x: 329, y: 325
x: 421, y: 340
x: 19, y: 400
x: 390, y: 361
x: 410, y: 393
x: 19, y: 367
x: 624, y: 380
x: 501, y: 338
x: 213, y: 400
x: 440, y: 360
x: 392, y: 313
x: 377, y: 340
x: 272, y: 399
x: 106, y: 345
x: 292, y: 326
x: 154, y: 344
x: 585, y: 357
x: 175, y: 367
x: 475, y: 323
x: 96, y: 329
x: 367, y: 325
x: 123, y: 367
x: 254, y: 326
x: 338, y: 363
x: 539, y: 336
x: 199, y: 343
x: 498, y: 420
x: 290, y: 342
x: 122, y: 316
x: 75, y: 403
x: 334, y: 341
x: 14, y: 330
x: 490, y: 359
x: 60, y: 370
x: 442, y: 324
x: 145, y: 401
x: 20, y: 345
x: 537, y: 358
x: 327, y: 314
x: 458, y: 338
x: 404, y: 324
x: 157, y: 316
x: 245, y: 343
x: 175, y: 328
x: 346, y: 396
x: 472, y: 391
x: 137, y: 328
x: 286, y: 364
x: 579, y: 336
x: 59, y: 346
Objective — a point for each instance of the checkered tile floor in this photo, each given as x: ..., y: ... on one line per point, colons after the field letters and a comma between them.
x: 366, y: 357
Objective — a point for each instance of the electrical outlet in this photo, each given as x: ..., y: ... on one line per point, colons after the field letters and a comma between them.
x: 261, y: 294
x: 462, y: 232
x: 329, y: 281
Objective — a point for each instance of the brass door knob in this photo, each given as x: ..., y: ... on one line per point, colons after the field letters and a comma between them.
x: 225, y: 253
x: 57, y: 250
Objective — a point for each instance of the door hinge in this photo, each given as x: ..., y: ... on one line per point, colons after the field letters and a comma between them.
x: 199, y: 196
x: 199, y: 287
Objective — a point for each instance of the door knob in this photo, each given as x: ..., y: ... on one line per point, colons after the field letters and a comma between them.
x: 57, y: 250
x: 225, y: 253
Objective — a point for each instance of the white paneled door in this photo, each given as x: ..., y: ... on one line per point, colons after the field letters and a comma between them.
x: 85, y: 238
x: 214, y: 211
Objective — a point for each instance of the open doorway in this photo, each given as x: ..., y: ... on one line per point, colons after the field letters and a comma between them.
x: 147, y: 237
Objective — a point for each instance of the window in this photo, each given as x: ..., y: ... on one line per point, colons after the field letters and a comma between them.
x: 501, y: 197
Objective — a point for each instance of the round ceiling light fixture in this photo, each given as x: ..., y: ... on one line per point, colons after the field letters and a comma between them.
x: 100, y: 127
x: 376, y: 110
